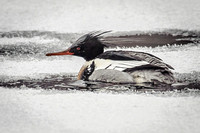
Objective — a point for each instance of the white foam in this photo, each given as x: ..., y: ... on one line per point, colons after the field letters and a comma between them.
x: 36, y: 40
x: 37, y: 67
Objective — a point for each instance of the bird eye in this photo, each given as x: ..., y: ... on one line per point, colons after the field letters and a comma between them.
x: 78, y: 48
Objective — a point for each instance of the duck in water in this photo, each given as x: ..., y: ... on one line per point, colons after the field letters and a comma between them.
x: 117, y: 66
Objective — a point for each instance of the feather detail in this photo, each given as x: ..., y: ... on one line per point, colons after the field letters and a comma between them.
x: 138, y: 56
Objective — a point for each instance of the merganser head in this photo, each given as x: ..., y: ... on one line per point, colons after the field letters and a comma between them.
x: 88, y: 46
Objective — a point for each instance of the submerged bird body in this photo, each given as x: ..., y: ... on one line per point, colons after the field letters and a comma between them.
x: 127, y: 66
x: 117, y: 66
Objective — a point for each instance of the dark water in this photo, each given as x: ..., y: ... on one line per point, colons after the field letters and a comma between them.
x: 69, y: 82
x: 22, y: 51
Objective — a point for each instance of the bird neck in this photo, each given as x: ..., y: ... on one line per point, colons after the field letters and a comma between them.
x: 93, y: 54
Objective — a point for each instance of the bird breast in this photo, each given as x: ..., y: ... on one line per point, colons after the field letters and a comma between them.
x: 107, y: 64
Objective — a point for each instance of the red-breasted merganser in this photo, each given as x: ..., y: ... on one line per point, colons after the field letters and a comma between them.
x: 117, y: 66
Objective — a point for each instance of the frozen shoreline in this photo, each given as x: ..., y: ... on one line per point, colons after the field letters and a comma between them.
x: 30, y: 110
x: 87, y: 15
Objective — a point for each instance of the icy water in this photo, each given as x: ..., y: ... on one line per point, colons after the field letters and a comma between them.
x: 23, y: 60
x: 41, y: 94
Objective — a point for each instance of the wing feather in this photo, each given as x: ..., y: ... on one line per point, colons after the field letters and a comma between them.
x: 137, y: 56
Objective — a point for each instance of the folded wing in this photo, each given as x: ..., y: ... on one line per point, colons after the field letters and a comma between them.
x: 135, y: 56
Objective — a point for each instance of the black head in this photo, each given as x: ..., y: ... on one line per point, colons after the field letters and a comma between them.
x: 88, y: 46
